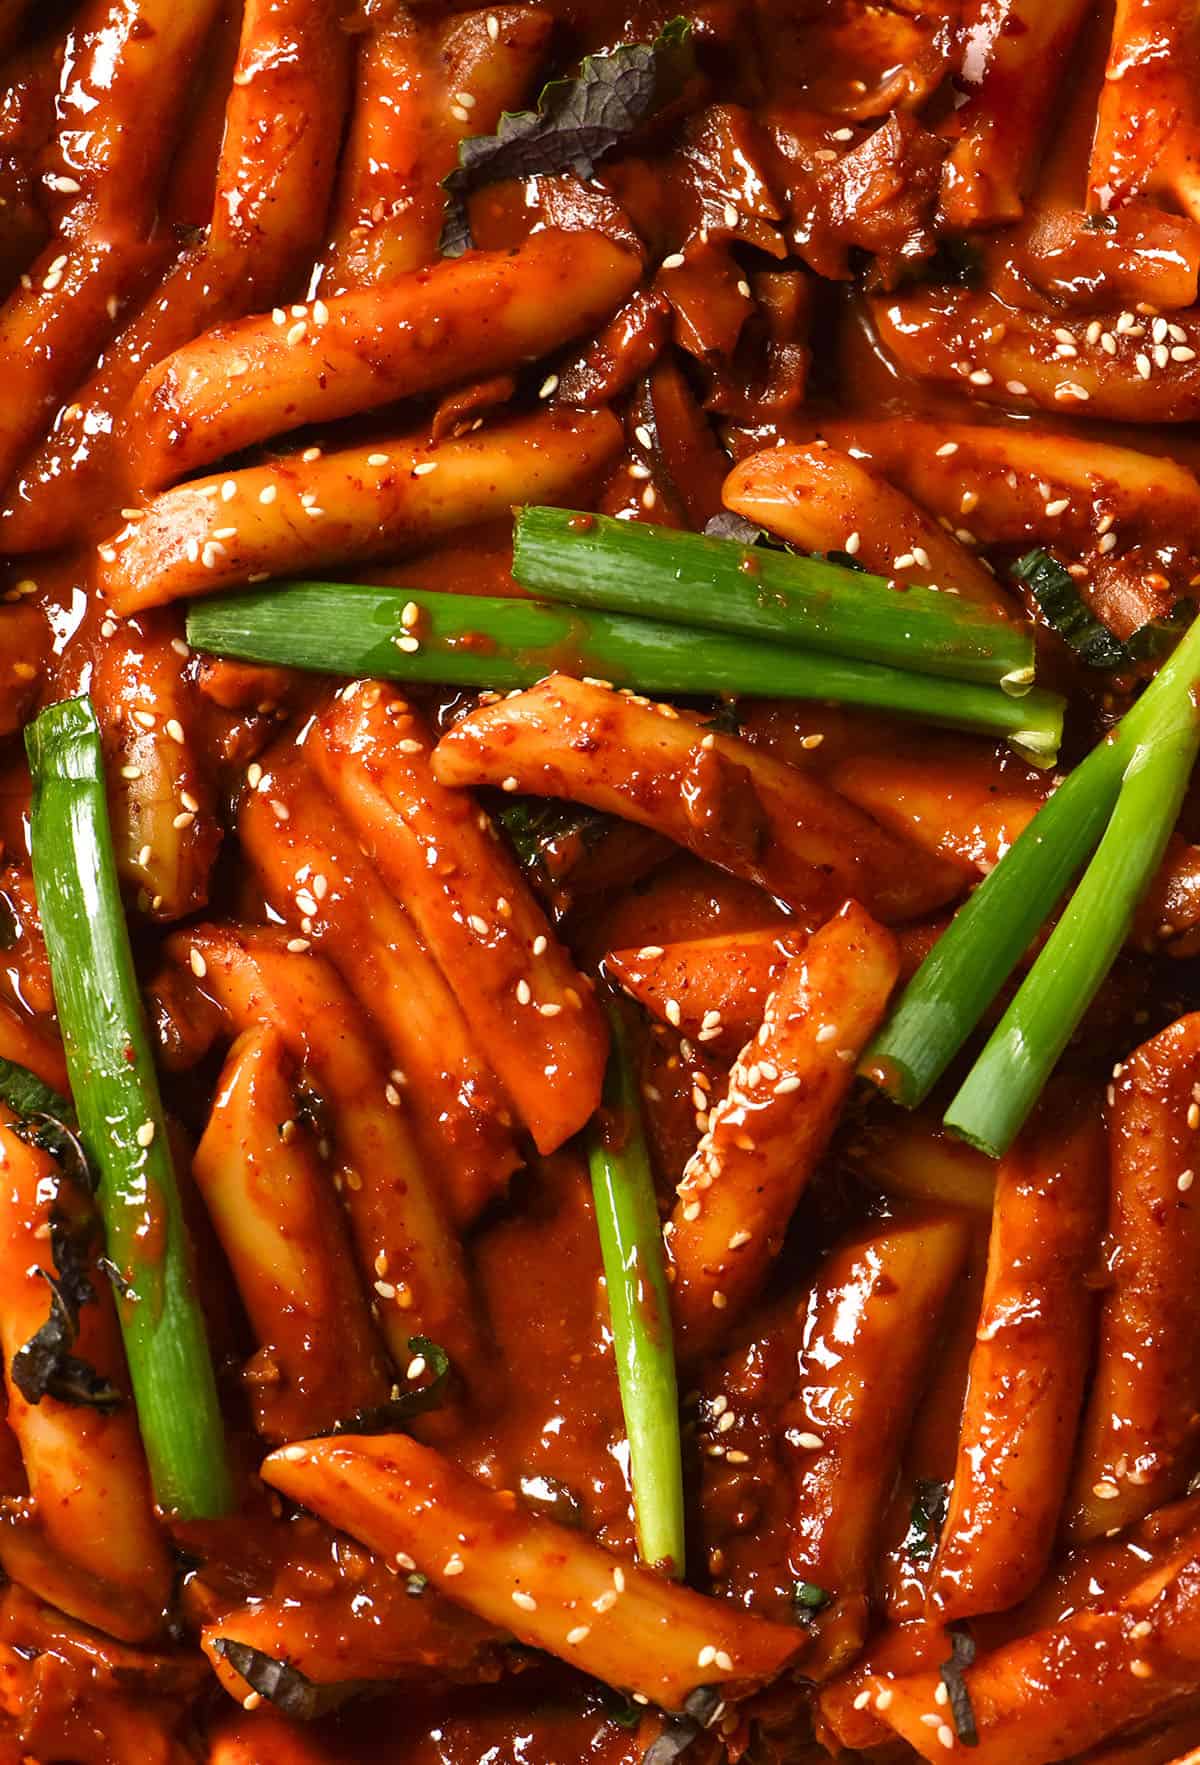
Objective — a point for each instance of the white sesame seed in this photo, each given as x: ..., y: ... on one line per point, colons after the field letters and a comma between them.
x: 979, y: 377
x: 1058, y: 506
x: 945, y: 1735
x: 526, y: 1601
x: 852, y: 543
x: 1142, y: 364
x: 707, y: 1655
x: 548, y: 387
x: 580, y: 1634
x: 296, y: 333
x: 674, y: 262
x: 1184, y: 1181
x: 145, y: 1134
x: 1105, y: 1490
x: 424, y: 469
x: 453, y: 1565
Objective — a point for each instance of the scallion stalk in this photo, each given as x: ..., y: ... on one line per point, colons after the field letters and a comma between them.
x: 974, y: 957
x: 120, y: 1113
x: 810, y: 603
x: 487, y: 641
x: 1002, y: 1087
x: 639, y: 1307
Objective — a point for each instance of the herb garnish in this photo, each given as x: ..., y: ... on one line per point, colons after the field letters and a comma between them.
x: 387, y: 1418
x: 1066, y: 610
x: 926, y: 1518
x: 575, y: 124
x: 963, y: 1645
x: 44, y: 1366
x: 291, y: 1691
x: 808, y: 1599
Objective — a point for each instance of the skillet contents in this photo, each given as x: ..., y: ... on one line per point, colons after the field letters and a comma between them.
x: 600, y: 882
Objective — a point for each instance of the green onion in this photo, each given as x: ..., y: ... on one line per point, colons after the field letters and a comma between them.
x: 632, y: 1250
x: 1007, y: 1079
x: 693, y: 579
x: 487, y: 641
x: 1054, y: 590
x: 120, y: 1112
x: 988, y: 936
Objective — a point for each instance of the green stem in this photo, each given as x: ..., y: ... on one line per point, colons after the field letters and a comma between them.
x: 1007, y: 1079
x: 120, y: 1112
x: 971, y: 961
x: 688, y: 579
x: 486, y: 641
x: 632, y: 1250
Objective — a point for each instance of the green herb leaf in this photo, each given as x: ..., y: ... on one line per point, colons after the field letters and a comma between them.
x: 291, y: 1691
x: 808, y: 1599
x: 1063, y: 605
x: 388, y: 1418
x: 951, y: 1671
x: 44, y: 1366
x: 1159, y: 636
x: 575, y: 124
x: 926, y: 1518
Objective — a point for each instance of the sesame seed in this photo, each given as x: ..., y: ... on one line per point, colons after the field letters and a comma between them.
x: 174, y: 729
x: 1193, y: 1115
x: 945, y: 1735
x: 979, y: 377
x: 1105, y: 1490
x: 540, y: 944
x: 947, y: 448
x: 707, y: 1655
x: 297, y: 333
x: 580, y: 1634
x: 1141, y: 1669
x: 145, y: 1134
x: 548, y: 387
x: 1184, y: 1181
x: 526, y: 1601
x: 378, y: 459
x: 1181, y: 353
x: 941, y: 1694
x: 810, y: 1442
x: 604, y: 1602
x: 1018, y: 388
x: 852, y: 543
x: 674, y: 262
x: 310, y: 454
x: 404, y: 1561
x: 883, y: 1700
x: 731, y: 214
x: 425, y: 468
x: 185, y: 818
x: 510, y: 783
x: 1058, y: 506
x: 493, y: 31
x: 1108, y: 542
x: 297, y: 946
x: 453, y: 1565
x: 1142, y: 363
x: 296, y: 1454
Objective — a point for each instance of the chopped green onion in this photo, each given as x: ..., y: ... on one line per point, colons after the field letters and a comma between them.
x: 639, y: 1307
x: 988, y: 936
x: 1054, y: 590
x: 695, y: 579
x: 1004, y: 1084
x: 487, y: 641
x: 120, y: 1113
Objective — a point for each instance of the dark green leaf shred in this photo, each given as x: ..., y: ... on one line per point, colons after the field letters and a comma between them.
x: 952, y: 1671
x: 390, y: 1417
x: 291, y: 1692
x: 44, y: 1366
x: 576, y: 123
x: 926, y: 1518
x: 808, y: 1599
x: 1065, y: 609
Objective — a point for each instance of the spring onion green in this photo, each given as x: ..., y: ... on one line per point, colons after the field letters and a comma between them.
x: 120, y: 1113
